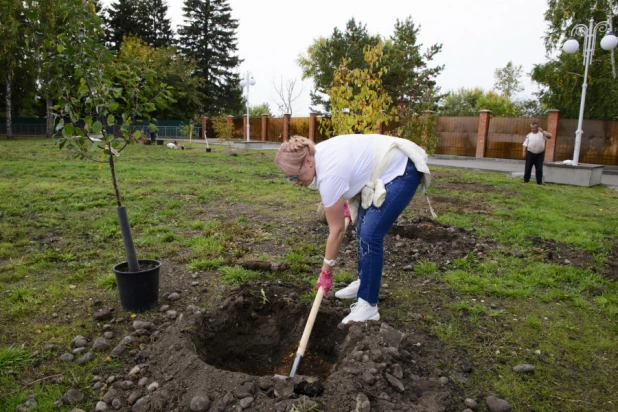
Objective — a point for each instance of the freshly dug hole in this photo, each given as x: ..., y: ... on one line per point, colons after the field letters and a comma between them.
x: 259, y: 336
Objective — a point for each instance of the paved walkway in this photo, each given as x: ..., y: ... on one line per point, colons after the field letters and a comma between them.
x: 513, y: 167
x: 509, y: 166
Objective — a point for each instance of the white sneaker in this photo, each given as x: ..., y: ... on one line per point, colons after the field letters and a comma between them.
x: 349, y: 291
x: 362, y: 311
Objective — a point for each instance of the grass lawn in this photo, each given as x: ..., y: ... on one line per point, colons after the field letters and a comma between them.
x: 204, y: 213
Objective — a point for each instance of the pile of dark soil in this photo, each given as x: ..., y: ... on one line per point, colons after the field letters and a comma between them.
x: 226, y: 359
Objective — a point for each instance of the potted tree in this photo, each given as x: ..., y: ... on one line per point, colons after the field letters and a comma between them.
x: 94, y: 114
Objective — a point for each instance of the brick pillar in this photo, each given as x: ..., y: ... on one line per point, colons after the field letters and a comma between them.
x: 481, y: 137
x: 553, y: 116
x: 286, y: 127
x: 312, y: 124
x: 244, y: 127
x: 264, y: 126
x: 204, y: 123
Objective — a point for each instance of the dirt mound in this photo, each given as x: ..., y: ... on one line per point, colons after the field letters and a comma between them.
x: 423, y: 238
x: 226, y: 359
x: 563, y: 254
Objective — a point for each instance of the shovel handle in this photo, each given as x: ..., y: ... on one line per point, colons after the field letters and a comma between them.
x: 310, y: 321
x: 314, y: 312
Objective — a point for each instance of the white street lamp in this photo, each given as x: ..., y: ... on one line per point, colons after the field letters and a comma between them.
x: 248, y: 81
x: 609, y: 42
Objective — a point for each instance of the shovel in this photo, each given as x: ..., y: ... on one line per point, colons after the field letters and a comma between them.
x: 309, y: 326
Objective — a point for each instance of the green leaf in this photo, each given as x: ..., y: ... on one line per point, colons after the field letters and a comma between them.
x: 153, y: 127
x: 87, y: 123
x: 113, y: 106
x: 110, y: 120
x: 94, y: 146
x: 60, y: 48
x: 69, y: 129
x: 97, y: 127
x: 60, y: 125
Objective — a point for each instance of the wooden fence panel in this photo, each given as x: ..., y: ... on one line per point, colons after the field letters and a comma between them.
x: 275, y: 130
x: 457, y: 135
x: 507, y: 134
x: 599, y: 143
x: 238, y: 129
x: 255, y: 128
x: 299, y: 126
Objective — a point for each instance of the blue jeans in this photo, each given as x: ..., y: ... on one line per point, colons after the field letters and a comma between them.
x: 373, y: 223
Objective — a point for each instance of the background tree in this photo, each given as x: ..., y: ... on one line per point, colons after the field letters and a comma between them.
x: 169, y: 67
x: 47, y: 21
x: 325, y: 55
x: 563, y: 15
x: 410, y: 82
x: 286, y: 95
x: 561, y: 80
x: 561, y: 77
x: 361, y: 94
x: 15, y: 52
x: 408, y: 79
x: 531, y: 108
x: 258, y: 110
x: 468, y: 102
x: 155, y: 27
x: 223, y: 130
x: 209, y: 37
x: 508, y: 80
x: 122, y: 20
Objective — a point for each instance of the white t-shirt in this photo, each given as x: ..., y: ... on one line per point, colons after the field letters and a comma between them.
x: 343, y: 166
x: 535, y: 142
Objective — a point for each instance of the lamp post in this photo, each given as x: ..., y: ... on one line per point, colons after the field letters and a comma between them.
x: 608, y: 42
x: 248, y: 81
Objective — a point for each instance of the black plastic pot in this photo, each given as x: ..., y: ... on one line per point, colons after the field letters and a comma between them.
x: 208, y: 149
x: 159, y: 142
x: 139, y: 291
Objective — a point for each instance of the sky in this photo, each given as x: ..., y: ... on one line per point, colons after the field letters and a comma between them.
x: 478, y: 36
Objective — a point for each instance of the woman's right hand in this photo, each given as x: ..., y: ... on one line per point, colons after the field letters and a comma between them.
x: 325, y: 281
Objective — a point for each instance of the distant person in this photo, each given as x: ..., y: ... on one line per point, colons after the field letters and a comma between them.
x: 153, y: 136
x: 534, y: 152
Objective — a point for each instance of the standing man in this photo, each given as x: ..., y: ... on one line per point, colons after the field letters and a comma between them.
x: 534, y: 152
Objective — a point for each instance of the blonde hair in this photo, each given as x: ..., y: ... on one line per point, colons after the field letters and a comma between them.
x: 292, y: 153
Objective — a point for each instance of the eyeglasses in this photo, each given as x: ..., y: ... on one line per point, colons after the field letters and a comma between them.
x: 296, y: 177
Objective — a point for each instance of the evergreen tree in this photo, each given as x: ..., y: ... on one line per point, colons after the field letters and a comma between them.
x: 155, y: 27
x: 209, y: 37
x: 408, y: 80
x: 326, y: 54
x: 98, y: 7
x: 122, y: 20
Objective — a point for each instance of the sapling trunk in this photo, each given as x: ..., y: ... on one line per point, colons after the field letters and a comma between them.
x: 9, y: 109
x: 123, y: 220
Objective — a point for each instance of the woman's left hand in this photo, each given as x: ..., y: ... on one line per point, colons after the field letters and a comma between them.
x: 325, y: 281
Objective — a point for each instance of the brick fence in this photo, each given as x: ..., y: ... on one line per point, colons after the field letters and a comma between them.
x: 475, y: 136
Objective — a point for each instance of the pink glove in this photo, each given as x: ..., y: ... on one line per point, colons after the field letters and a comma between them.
x: 346, y: 211
x: 325, y: 281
